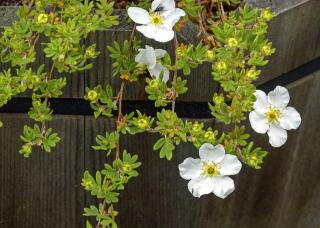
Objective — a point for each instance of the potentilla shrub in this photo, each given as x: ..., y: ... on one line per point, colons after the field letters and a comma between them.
x: 234, y: 42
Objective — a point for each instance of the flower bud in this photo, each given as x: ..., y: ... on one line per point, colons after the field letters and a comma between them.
x: 209, y: 135
x: 142, y: 123
x: 90, y: 53
x: 154, y: 83
x: 196, y: 127
x: 92, y: 95
x: 252, y: 74
x: 210, y: 54
x: 218, y: 99
x: 221, y: 66
x: 233, y: 42
x: 267, y: 14
x: 126, y: 168
x: 42, y: 18
x: 267, y: 50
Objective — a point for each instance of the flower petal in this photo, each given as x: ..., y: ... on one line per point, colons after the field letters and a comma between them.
x: 172, y: 17
x: 209, y: 152
x: 258, y: 122
x: 158, y: 33
x: 223, y: 186
x: 160, y: 53
x: 190, y: 168
x: 277, y: 135
x: 200, y: 186
x: 290, y: 118
x: 146, y: 56
x: 230, y: 165
x: 261, y: 105
x: 279, y: 97
x: 163, y: 5
x: 139, y: 15
x: 157, y: 70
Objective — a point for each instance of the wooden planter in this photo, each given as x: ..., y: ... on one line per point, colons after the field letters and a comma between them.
x: 45, y: 191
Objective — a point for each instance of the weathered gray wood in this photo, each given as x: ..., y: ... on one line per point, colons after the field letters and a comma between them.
x: 295, y: 34
x: 45, y: 189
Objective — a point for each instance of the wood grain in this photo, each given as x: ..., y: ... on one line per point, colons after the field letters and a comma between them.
x: 44, y: 190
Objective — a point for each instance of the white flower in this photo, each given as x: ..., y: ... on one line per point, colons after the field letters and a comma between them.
x: 210, y: 172
x: 158, y: 23
x: 272, y: 115
x: 149, y: 57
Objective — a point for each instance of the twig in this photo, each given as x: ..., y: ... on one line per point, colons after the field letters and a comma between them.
x: 30, y: 5
x: 101, y: 212
x: 175, y: 73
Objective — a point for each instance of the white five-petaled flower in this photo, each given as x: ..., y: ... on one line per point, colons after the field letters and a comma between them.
x: 158, y: 23
x: 149, y: 57
x: 210, y: 172
x: 272, y: 115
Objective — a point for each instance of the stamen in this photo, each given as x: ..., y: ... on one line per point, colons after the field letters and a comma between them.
x: 210, y: 169
x: 273, y: 115
x: 156, y: 19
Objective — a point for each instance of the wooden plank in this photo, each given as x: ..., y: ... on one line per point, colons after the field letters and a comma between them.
x: 45, y: 189
x: 294, y: 32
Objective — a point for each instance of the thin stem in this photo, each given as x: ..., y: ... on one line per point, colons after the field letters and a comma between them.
x: 30, y: 5
x: 119, y: 100
x: 175, y: 73
x: 104, y: 204
x: 47, y: 78
x: 221, y: 9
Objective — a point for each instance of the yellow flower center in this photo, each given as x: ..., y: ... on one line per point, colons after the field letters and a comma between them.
x: 273, y: 115
x: 156, y: 19
x: 210, y: 169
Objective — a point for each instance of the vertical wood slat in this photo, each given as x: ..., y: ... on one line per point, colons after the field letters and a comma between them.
x: 45, y: 189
